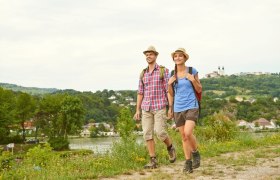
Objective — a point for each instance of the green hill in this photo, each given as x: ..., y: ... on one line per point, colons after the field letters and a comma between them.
x: 246, y: 86
x: 29, y: 90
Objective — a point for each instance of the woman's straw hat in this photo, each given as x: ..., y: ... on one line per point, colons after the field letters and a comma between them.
x: 151, y: 49
x: 180, y: 50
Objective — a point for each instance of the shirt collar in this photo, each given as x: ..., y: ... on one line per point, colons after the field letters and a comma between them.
x: 156, y: 67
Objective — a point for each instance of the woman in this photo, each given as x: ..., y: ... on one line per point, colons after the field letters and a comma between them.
x: 184, y: 106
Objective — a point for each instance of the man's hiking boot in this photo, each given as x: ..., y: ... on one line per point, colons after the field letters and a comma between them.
x: 196, y: 159
x: 188, y: 167
x: 152, y: 164
x: 171, y: 154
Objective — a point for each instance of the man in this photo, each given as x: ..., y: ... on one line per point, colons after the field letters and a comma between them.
x: 152, y: 99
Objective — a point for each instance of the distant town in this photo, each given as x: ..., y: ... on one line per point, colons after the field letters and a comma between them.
x: 221, y: 72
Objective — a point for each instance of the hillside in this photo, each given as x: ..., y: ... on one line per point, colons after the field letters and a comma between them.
x: 222, y: 87
x: 219, y: 94
x: 29, y: 90
x: 249, y: 85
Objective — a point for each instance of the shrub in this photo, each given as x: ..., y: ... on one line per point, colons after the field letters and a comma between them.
x: 11, y: 139
x: 6, y: 160
x: 218, y: 127
x: 40, y: 155
x: 59, y: 143
x: 125, y: 123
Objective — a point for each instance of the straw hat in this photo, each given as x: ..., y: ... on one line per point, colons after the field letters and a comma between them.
x: 151, y: 49
x: 180, y: 50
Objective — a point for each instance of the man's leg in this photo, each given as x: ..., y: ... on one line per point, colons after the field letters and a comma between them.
x: 148, y: 129
x: 160, y: 129
x: 151, y: 147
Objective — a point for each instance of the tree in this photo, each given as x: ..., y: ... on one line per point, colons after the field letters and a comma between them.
x: 125, y: 124
x: 93, y: 131
x: 47, y: 114
x: 72, y: 114
x: 25, y: 107
x: 7, y: 102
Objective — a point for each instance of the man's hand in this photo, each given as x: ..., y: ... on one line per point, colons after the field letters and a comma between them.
x: 171, y: 80
x: 137, y: 116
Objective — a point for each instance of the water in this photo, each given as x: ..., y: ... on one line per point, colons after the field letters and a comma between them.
x: 97, y: 145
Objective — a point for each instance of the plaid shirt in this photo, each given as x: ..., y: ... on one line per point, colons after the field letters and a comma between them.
x: 154, y: 89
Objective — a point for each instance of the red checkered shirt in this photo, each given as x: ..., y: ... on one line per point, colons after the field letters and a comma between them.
x: 154, y: 89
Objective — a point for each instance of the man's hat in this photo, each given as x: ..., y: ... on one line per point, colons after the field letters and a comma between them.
x: 180, y: 50
x: 151, y: 49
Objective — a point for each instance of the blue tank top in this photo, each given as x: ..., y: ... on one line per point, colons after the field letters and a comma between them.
x: 185, y: 98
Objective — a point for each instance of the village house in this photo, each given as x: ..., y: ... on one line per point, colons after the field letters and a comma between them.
x: 263, y: 123
x: 112, y: 97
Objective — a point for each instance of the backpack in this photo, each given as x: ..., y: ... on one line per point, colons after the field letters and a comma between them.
x: 197, y: 95
x: 161, y: 76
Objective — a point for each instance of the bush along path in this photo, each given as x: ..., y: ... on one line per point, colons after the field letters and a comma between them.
x: 260, y: 163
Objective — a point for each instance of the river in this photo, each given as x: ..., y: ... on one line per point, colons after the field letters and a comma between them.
x: 97, y: 145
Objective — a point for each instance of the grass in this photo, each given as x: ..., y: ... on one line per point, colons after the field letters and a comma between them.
x: 127, y: 157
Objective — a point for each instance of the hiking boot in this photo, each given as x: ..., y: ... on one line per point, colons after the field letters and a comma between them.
x: 188, y: 167
x: 172, y: 154
x: 152, y: 164
x: 196, y: 159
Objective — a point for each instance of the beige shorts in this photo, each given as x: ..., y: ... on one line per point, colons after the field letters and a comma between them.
x: 154, y: 121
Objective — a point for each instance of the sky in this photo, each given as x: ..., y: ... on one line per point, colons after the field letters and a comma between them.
x: 91, y: 45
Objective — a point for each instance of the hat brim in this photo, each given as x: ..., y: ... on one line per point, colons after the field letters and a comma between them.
x: 156, y: 53
x: 185, y: 54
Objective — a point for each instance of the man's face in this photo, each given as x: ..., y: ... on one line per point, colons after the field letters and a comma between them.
x: 150, y: 57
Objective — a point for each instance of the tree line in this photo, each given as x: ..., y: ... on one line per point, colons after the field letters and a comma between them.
x: 63, y: 112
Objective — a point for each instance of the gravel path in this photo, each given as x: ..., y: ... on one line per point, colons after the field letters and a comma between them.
x: 257, y: 164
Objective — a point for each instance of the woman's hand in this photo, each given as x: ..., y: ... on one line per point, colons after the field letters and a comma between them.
x: 171, y: 80
x: 190, y: 77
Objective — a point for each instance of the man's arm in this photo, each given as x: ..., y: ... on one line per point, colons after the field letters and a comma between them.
x: 137, y: 115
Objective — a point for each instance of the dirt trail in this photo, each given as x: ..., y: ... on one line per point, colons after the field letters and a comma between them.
x: 257, y: 164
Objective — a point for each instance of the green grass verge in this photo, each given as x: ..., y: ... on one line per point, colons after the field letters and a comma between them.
x: 126, y: 157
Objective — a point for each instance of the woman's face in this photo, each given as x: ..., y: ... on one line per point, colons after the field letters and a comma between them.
x: 179, y: 58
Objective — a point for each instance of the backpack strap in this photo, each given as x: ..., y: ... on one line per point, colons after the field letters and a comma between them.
x: 172, y: 72
x: 190, y: 71
x: 142, y: 75
x: 162, y: 70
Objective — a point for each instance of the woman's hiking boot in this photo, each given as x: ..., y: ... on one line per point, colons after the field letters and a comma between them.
x: 152, y: 164
x: 196, y: 159
x: 171, y: 154
x: 188, y: 167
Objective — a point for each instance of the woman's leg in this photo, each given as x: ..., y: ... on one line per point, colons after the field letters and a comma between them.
x: 189, y: 138
x: 184, y: 141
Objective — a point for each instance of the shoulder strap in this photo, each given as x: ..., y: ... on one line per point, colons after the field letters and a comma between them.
x: 142, y: 73
x: 190, y: 70
x: 172, y: 73
x: 162, y: 70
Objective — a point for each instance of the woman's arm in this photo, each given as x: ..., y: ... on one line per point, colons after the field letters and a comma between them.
x: 195, y: 81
